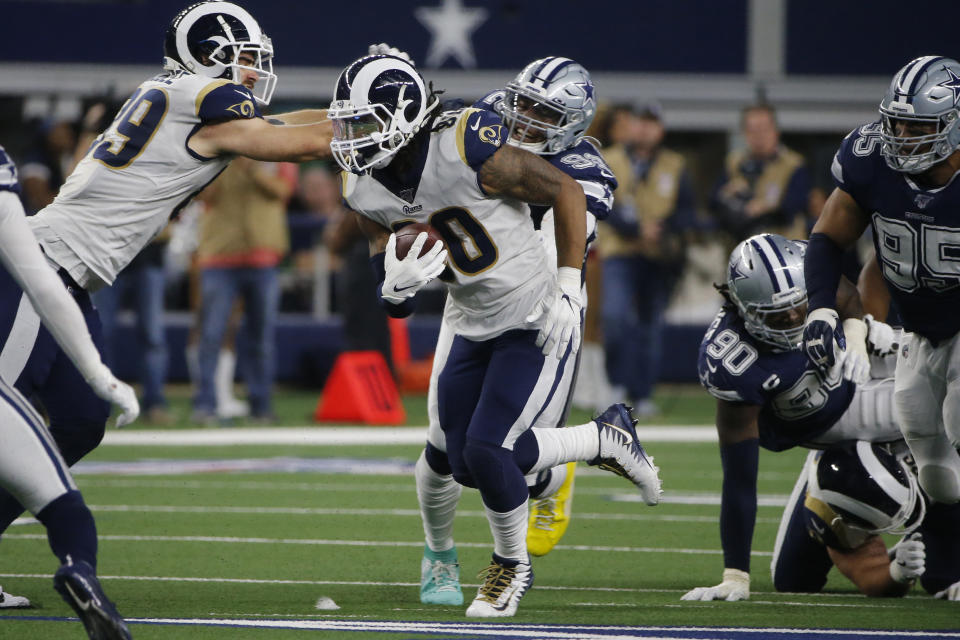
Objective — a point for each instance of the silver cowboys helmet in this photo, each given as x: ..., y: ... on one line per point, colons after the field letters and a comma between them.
x: 867, y: 488
x: 765, y: 282
x: 923, y: 98
x: 379, y: 104
x: 208, y: 38
x: 548, y: 106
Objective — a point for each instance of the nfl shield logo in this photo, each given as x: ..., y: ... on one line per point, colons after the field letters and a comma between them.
x: 922, y: 200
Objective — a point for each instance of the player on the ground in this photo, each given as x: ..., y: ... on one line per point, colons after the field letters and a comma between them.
x: 845, y: 497
x: 897, y: 175
x: 31, y: 469
x: 546, y: 109
x: 769, y: 395
x: 171, y: 138
x: 515, y: 316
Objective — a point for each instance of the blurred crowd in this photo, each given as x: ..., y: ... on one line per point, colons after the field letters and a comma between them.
x: 271, y: 238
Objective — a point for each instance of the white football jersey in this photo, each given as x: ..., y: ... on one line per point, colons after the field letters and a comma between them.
x: 500, y: 271
x: 137, y: 175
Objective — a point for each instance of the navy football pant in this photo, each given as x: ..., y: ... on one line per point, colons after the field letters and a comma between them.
x: 489, y: 394
x: 76, y: 415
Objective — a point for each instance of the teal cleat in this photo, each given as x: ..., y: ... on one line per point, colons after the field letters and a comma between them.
x: 440, y: 577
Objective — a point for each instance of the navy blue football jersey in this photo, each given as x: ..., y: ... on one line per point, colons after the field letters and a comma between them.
x: 8, y: 173
x: 916, y: 233
x: 582, y: 162
x: 798, y: 401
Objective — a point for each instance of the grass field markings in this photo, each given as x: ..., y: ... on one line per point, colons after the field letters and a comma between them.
x: 338, y: 511
x: 345, y: 436
x: 603, y: 604
x: 373, y: 543
x: 517, y: 630
x: 539, y: 587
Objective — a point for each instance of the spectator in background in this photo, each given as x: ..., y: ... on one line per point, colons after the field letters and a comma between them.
x: 642, y: 247
x: 764, y: 187
x: 48, y: 165
x: 243, y: 236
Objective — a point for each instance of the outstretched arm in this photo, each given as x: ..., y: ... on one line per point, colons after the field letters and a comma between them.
x: 304, y: 116
x: 739, y: 452
x: 258, y: 139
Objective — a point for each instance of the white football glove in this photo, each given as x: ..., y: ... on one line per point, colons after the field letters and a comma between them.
x: 106, y: 385
x: 561, y: 313
x: 735, y: 586
x: 405, y: 277
x: 950, y: 593
x: 909, y: 559
x: 881, y: 337
x: 383, y: 49
x: 856, y: 362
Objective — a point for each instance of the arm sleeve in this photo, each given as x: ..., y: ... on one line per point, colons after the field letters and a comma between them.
x: 222, y: 100
x: 738, y: 503
x: 821, y: 271
x: 22, y: 258
x: 401, y: 310
x: 481, y: 135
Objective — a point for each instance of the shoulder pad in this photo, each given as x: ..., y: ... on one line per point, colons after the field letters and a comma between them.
x: 480, y: 133
x: 490, y: 101
x: 222, y: 100
x: 853, y: 165
x: 728, y: 364
x: 584, y: 162
x: 8, y: 173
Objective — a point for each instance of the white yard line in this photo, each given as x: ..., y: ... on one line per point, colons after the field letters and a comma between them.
x: 317, y: 435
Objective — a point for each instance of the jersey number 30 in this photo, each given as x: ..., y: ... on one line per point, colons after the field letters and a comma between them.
x: 132, y: 129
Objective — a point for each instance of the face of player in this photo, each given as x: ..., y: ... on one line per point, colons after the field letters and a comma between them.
x: 535, y: 111
x: 787, y: 319
x: 248, y: 77
x: 914, y: 129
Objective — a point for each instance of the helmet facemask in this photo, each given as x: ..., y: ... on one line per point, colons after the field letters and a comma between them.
x: 766, y: 322
x: 916, y: 153
x: 533, y: 123
x: 364, y: 137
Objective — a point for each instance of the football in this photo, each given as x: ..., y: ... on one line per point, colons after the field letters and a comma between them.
x: 409, y: 233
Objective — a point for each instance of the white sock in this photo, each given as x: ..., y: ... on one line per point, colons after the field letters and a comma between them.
x: 223, y: 377
x: 568, y: 444
x: 557, y: 475
x: 438, y: 496
x: 509, y: 532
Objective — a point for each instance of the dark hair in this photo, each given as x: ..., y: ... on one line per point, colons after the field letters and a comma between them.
x: 758, y: 106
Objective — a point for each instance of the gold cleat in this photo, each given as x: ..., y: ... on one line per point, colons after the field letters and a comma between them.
x: 550, y: 516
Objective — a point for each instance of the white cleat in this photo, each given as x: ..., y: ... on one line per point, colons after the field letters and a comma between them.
x: 622, y: 453
x: 501, y: 590
x: 10, y: 601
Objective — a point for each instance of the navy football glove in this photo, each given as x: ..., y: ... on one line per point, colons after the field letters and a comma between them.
x: 819, y: 334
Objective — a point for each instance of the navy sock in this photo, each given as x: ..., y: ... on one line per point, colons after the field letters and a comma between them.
x: 70, y: 528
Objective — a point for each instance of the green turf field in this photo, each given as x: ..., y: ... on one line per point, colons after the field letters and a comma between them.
x: 263, y: 546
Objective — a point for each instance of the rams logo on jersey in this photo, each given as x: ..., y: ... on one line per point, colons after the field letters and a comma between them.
x: 243, y: 109
x: 491, y: 135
